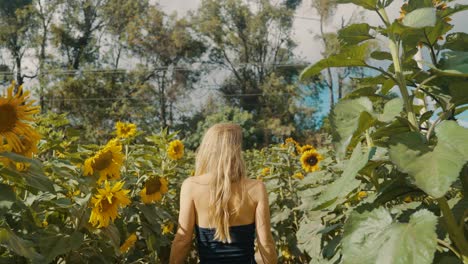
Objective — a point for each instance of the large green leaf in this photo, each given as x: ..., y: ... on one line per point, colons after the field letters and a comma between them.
x: 345, y: 120
x: 33, y: 177
x: 392, y: 109
x: 19, y: 246
x: 419, y: 18
x: 432, y: 171
x: 53, y: 245
x: 347, y: 182
x: 349, y: 56
x: 355, y: 34
x: 7, y: 197
x: 308, y: 238
x: 455, y: 136
x: 374, y: 237
x: 452, y: 63
x: 457, y: 41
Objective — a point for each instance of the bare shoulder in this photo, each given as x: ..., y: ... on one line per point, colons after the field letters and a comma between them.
x: 252, y: 183
x: 199, y: 180
x: 255, y: 188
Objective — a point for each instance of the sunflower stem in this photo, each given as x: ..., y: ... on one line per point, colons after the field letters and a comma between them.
x: 452, y: 228
x: 370, y: 142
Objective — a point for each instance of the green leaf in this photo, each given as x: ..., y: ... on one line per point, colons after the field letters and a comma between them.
x: 374, y: 237
x: 19, y: 246
x: 366, y: 121
x: 33, y: 176
x: 457, y: 41
x: 452, y: 64
x: 432, y: 171
x: 381, y: 55
x: 53, y: 245
x: 347, y: 182
x: 392, y: 109
x: 349, y: 56
x: 387, y: 85
x: 426, y: 116
x: 113, y: 235
x: 345, y: 121
x: 308, y: 238
x: 419, y: 18
x: 355, y: 34
x: 449, y: 11
x: 397, y: 188
x: 284, y: 214
x: 7, y: 197
x: 367, y: 4
x: 455, y: 136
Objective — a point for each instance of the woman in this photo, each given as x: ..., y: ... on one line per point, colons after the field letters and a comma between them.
x: 224, y: 207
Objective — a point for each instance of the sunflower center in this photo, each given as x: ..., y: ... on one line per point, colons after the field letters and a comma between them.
x: 8, y: 118
x: 312, y: 160
x: 153, y: 185
x: 125, y: 130
x: 105, y: 205
x: 176, y: 148
x: 103, y: 160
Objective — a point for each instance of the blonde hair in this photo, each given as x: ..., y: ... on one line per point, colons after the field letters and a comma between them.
x: 220, y: 155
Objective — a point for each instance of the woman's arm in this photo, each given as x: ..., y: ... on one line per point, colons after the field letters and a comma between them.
x: 266, y: 244
x: 183, y: 238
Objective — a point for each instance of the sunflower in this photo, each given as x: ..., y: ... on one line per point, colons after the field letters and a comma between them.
x: 305, y: 148
x: 310, y: 160
x: 408, y: 199
x: 16, y: 111
x: 286, y: 253
x: 298, y: 176
x: 167, y: 228
x: 154, y: 188
x: 106, y: 162
x: 265, y: 171
x: 361, y: 195
x: 130, y: 242
x: 28, y: 150
x: 125, y: 130
x: 290, y: 140
x: 107, y: 202
x: 175, y: 150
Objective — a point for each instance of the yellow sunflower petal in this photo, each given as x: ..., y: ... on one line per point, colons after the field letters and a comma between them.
x: 175, y: 150
x: 16, y: 113
x: 106, y: 204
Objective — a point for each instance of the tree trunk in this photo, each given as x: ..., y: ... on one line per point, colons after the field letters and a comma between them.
x: 162, y: 100
x: 19, y: 77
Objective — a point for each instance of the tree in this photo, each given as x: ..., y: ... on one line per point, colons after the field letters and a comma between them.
x: 117, y: 29
x: 167, y: 47
x: 16, y: 30
x: 94, y: 101
x: 252, y: 43
x: 249, y: 44
x: 45, y: 11
x: 76, y: 35
x: 334, y: 79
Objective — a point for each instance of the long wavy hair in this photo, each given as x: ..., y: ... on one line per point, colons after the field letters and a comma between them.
x: 220, y: 156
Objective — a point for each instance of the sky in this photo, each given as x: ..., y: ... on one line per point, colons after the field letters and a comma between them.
x: 306, y: 28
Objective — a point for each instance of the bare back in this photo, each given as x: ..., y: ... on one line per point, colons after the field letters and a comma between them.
x: 254, y: 208
x: 246, y: 207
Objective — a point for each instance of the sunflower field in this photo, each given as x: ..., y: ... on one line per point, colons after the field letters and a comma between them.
x: 389, y: 185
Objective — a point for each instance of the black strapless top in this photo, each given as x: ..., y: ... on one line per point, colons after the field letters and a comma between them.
x: 240, y: 250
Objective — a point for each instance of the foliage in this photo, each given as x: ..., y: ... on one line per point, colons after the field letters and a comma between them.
x: 407, y: 161
x: 393, y: 189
